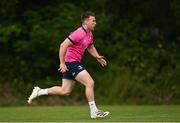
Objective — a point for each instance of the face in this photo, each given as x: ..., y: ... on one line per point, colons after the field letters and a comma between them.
x: 91, y: 22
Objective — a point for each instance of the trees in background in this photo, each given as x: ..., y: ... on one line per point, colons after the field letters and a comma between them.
x: 139, y: 39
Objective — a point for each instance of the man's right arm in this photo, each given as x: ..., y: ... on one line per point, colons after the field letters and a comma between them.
x: 62, y: 51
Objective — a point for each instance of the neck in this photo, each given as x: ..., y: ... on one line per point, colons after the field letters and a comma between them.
x: 86, y: 28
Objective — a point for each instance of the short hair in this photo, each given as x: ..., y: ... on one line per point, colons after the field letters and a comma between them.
x: 86, y: 15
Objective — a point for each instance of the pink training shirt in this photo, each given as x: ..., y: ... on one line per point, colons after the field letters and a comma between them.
x: 81, y: 39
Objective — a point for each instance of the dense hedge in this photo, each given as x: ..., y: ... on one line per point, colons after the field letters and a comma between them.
x: 140, y: 41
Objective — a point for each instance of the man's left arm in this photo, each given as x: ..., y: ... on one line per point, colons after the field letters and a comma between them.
x: 92, y: 50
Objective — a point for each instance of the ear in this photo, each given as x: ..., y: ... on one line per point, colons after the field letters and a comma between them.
x: 86, y: 21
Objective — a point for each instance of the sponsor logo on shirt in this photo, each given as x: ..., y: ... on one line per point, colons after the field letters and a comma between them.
x: 80, y: 67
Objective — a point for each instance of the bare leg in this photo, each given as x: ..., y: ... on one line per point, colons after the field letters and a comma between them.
x: 85, y: 78
x: 65, y: 89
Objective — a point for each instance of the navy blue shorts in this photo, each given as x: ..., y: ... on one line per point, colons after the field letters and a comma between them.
x: 73, y: 69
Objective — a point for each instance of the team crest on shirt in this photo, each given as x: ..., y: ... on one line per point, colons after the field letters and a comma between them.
x: 84, y: 40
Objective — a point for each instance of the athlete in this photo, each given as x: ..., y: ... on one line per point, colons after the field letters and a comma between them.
x: 70, y: 54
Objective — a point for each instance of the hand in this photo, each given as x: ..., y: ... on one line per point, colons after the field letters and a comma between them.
x: 101, y: 60
x: 63, y: 68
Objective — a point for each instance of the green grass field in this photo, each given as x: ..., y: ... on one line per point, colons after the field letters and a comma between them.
x: 170, y: 113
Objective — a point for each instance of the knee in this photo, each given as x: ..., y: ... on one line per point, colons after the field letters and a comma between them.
x: 90, y: 84
x: 66, y: 92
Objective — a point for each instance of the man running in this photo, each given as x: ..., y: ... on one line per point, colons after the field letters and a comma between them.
x: 70, y: 54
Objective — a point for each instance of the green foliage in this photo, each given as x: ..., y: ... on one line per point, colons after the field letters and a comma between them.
x: 139, y: 44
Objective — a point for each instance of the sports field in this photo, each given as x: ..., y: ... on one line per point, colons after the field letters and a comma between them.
x: 170, y: 113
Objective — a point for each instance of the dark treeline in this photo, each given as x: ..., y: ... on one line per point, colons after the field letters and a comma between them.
x: 139, y: 39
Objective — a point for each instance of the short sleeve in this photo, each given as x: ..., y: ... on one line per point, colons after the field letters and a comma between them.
x: 75, y: 36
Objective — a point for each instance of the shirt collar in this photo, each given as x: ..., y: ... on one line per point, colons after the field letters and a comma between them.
x: 84, y: 29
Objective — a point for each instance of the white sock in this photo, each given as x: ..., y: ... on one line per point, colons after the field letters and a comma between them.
x: 43, y: 92
x: 92, y: 106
